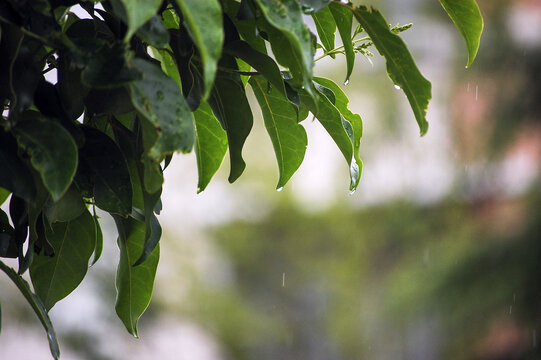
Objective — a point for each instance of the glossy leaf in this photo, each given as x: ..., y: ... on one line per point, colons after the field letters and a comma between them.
x: 326, y: 27
x: 138, y: 13
x: 210, y: 144
x: 288, y: 137
x: 158, y: 99
x: 340, y: 131
x: 400, y: 64
x: 203, y: 19
x: 344, y: 20
x: 229, y: 104
x: 52, y: 151
x: 112, y: 187
x: 468, y: 20
x: 311, y: 6
x: 36, y: 305
x: 341, y: 103
x: 291, y: 41
x: 133, y: 283
x: 73, y: 243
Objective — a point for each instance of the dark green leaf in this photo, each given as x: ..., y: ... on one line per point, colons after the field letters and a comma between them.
x: 400, y: 64
x: 290, y: 40
x: 229, y: 104
x: 112, y: 186
x: 326, y: 28
x: 52, y: 151
x: 210, y: 144
x: 341, y: 103
x: 36, y: 305
x: 67, y: 208
x: 73, y: 242
x: 203, y: 19
x: 344, y: 19
x: 99, y: 239
x: 154, y: 33
x: 469, y: 21
x: 244, y: 20
x: 153, y: 234
x: 15, y: 176
x: 287, y: 136
x: 4, y: 194
x: 8, y: 247
x: 340, y: 130
x: 133, y: 283
x: 157, y: 97
x: 138, y: 13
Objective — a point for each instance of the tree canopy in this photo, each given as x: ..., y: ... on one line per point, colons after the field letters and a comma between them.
x: 140, y: 80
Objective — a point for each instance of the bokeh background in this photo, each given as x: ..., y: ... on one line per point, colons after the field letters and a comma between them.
x: 436, y: 256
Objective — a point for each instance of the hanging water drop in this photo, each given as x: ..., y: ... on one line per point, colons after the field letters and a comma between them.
x: 280, y: 189
x: 346, y: 82
x: 397, y: 87
x: 352, y: 191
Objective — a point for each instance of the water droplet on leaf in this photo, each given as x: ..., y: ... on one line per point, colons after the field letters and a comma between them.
x: 397, y: 87
x: 346, y: 82
x: 280, y: 189
x: 352, y: 191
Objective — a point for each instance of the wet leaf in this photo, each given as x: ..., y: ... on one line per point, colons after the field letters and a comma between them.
x: 67, y: 208
x: 326, y: 27
x: 468, y: 20
x: 344, y: 20
x: 138, y: 13
x: 73, y: 242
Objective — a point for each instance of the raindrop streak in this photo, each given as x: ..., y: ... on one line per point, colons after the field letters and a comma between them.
x: 283, y: 279
x: 476, y: 91
x: 397, y: 87
x: 346, y: 82
x: 280, y: 189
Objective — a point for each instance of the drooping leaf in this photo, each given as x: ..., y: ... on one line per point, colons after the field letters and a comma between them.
x: 158, y: 99
x: 112, y: 187
x: 15, y: 176
x: 468, y: 20
x: 344, y: 20
x: 133, y: 283
x: 52, y: 151
x: 138, y: 13
x: 73, y: 242
x: 210, y: 144
x: 203, y: 19
x: 326, y: 27
x: 153, y: 234
x: 36, y: 305
x: 341, y: 103
x: 312, y: 6
x: 229, y: 104
x: 288, y: 137
x: 67, y: 208
x: 400, y: 64
x: 340, y: 131
x: 99, y: 239
x: 290, y: 40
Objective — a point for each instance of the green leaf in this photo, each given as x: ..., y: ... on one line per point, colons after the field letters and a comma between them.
x: 8, y: 246
x: 468, y: 20
x: 344, y: 20
x: 133, y: 283
x: 73, y: 242
x: 4, y: 194
x: 291, y: 41
x: 52, y: 151
x: 203, y: 19
x: 159, y: 100
x: 99, y: 239
x: 112, y: 186
x: 400, y: 64
x: 153, y: 234
x: 36, y: 305
x: 67, y: 208
x: 138, y: 13
x: 311, y: 6
x: 341, y: 103
x: 15, y: 176
x: 288, y: 137
x: 326, y: 28
x: 154, y: 33
x: 210, y: 145
x: 339, y: 129
x: 229, y: 104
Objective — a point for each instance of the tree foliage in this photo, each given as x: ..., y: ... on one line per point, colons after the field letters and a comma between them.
x: 140, y: 80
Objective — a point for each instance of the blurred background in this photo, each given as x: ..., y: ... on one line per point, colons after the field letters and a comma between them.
x: 436, y: 256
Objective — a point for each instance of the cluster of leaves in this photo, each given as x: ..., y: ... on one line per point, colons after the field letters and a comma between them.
x: 139, y: 80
